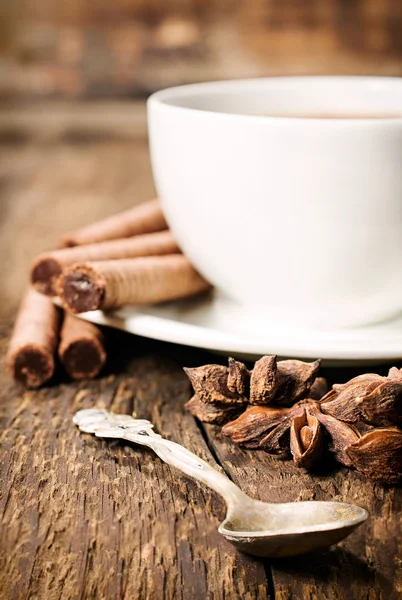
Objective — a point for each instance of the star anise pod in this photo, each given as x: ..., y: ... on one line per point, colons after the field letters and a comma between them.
x: 212, y: 413
x: 378, y: 454
x: 370, y: 398
x: 282, y: 382
x: 238, y: 378
x: 210, y: 384
x: 357, y: 421
x: 283, y: 407
x: 279, y: 429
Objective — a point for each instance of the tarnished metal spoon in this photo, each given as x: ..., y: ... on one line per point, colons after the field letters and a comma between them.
x: 252, y: 526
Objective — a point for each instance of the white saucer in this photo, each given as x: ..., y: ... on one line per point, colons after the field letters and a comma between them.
x: 207, y: 322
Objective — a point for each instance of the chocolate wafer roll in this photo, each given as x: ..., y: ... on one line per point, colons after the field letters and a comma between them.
x: 114, y: 283
x: 47, y: 268
x: 30, y: 357
x: 144, y: 218
x: 82, y: 348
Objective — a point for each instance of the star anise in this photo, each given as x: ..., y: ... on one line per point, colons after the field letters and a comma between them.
x: 283, y: 407
x: 270, y: 381
x: 278, y: 429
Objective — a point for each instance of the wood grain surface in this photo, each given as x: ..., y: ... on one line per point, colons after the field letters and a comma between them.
x: 82, y: 518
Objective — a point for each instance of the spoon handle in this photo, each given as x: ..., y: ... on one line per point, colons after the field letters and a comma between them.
x: 106, y: 424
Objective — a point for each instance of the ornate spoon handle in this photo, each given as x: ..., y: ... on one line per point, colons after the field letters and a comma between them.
x: 106, y: 424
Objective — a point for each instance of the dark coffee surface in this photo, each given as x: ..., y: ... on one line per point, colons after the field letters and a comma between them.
x: 333, y: 115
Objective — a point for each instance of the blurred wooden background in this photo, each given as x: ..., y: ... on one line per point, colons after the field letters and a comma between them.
x: 128, y: 48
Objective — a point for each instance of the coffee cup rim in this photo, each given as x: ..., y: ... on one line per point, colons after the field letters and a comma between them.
x: 170, y: 98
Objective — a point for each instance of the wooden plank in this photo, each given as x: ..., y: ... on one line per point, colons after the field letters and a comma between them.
x: 366, y: 565
x: 84, y: 518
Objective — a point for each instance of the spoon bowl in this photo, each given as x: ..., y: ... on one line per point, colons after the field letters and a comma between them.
x: 254, y: 527
x: 275, y: 530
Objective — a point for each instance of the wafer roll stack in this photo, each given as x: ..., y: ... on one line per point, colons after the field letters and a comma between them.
x: 111, y: 284
x: 33, y: 344
x: 82, y: 349
x: 129, y: 258
x: 48, y: 266
x: 144, y: 218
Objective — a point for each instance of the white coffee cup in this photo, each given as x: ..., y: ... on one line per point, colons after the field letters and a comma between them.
x: 299, y: 219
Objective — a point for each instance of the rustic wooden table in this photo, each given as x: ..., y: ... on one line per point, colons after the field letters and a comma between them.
x: 83, y: 518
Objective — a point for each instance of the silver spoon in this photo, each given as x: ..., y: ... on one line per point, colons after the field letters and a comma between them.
x: 252, y: 526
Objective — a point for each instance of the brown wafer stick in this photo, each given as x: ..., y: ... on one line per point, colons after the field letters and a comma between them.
x: 144, y: 218
x: 113, y: 283
x: 30, y: 357
x: 82, y: 349
x: 48, y: 266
